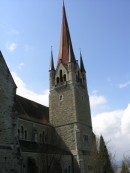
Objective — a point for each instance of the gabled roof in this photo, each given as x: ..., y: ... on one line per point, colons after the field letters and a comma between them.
x: 30, y: 110
x: 65, y: 41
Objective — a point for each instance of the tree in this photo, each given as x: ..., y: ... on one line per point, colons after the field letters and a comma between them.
x: 124, y: 168
x: 104, y: 158
x: 94, y: 156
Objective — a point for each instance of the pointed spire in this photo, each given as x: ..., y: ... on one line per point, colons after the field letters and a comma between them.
x: 52, y: 62
x: 81, y: 63
x: 65, y: 41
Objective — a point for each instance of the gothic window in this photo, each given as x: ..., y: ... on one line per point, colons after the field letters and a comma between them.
x: 46, y: 138
x: 43, y: 136
x: 57, y: 80
x: 64, y: 77
x: 36, y: 137
x: 22, y: 132
x: 25, y: 135
x: 80, y: 80
x: 85, y: 138
x: 61, y: 79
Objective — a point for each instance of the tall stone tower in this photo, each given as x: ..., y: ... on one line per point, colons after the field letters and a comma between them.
x: 69, y: 101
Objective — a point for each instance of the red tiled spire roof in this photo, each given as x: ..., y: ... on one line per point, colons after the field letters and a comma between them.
x: 65, y: 41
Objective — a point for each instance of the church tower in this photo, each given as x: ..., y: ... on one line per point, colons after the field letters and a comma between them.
x: 69, y: 107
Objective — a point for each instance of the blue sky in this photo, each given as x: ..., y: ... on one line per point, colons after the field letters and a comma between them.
x: 100, y: 28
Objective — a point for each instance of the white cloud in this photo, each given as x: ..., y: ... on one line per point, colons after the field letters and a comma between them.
x: 114, y: 126
x: 21, y: 65
x: 11, y: 46
x: 23, y: 90
x: 124, y: 84
x: 125, y: 122
x: 96, y: 100
x: 95, y: 92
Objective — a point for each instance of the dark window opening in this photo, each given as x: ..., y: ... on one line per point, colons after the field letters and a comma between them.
x: 43, y: 136
x: 85, y: 138
x: 61, y: 79
x: 61, y: 97
x: 57, y: 80
x: 18, y: 134
x: 40, y: 138
x: 25, y: 135
x: 64, y: 77
x: 22, y: 132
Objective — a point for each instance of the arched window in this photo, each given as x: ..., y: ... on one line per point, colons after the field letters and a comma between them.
x: 80, y: 80
x: 57, y: 80
x: 64, y: 77
x: 36, y: 137
x: 43, y: 136
x: 18, y: 134
x: 40, y: 138
x: 25, y: 135
x: 22, y: 132
x: 61, y: 79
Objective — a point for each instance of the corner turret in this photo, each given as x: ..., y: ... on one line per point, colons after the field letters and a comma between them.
x: 52, y: 72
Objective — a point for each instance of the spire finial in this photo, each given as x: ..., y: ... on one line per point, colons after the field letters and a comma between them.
x: 51, y: 52
x: 63, y: 3
x: 52, y: 62
x: 80, y: 51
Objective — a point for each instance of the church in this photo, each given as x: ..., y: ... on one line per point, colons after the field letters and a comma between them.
x: 55, y: 139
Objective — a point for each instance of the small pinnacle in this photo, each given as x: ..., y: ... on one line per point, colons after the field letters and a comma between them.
x: 51, y: 48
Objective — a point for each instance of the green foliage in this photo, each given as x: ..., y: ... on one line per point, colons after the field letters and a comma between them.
x: 124, y: 168
x: 104, y: 158
x: 100, y: 160
x: 94, y: 161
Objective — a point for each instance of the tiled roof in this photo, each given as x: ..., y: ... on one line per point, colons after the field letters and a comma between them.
x: 31, y: 110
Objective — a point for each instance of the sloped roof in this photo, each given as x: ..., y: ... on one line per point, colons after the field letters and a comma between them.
x: 31, y: 110
x: 5, y: 67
